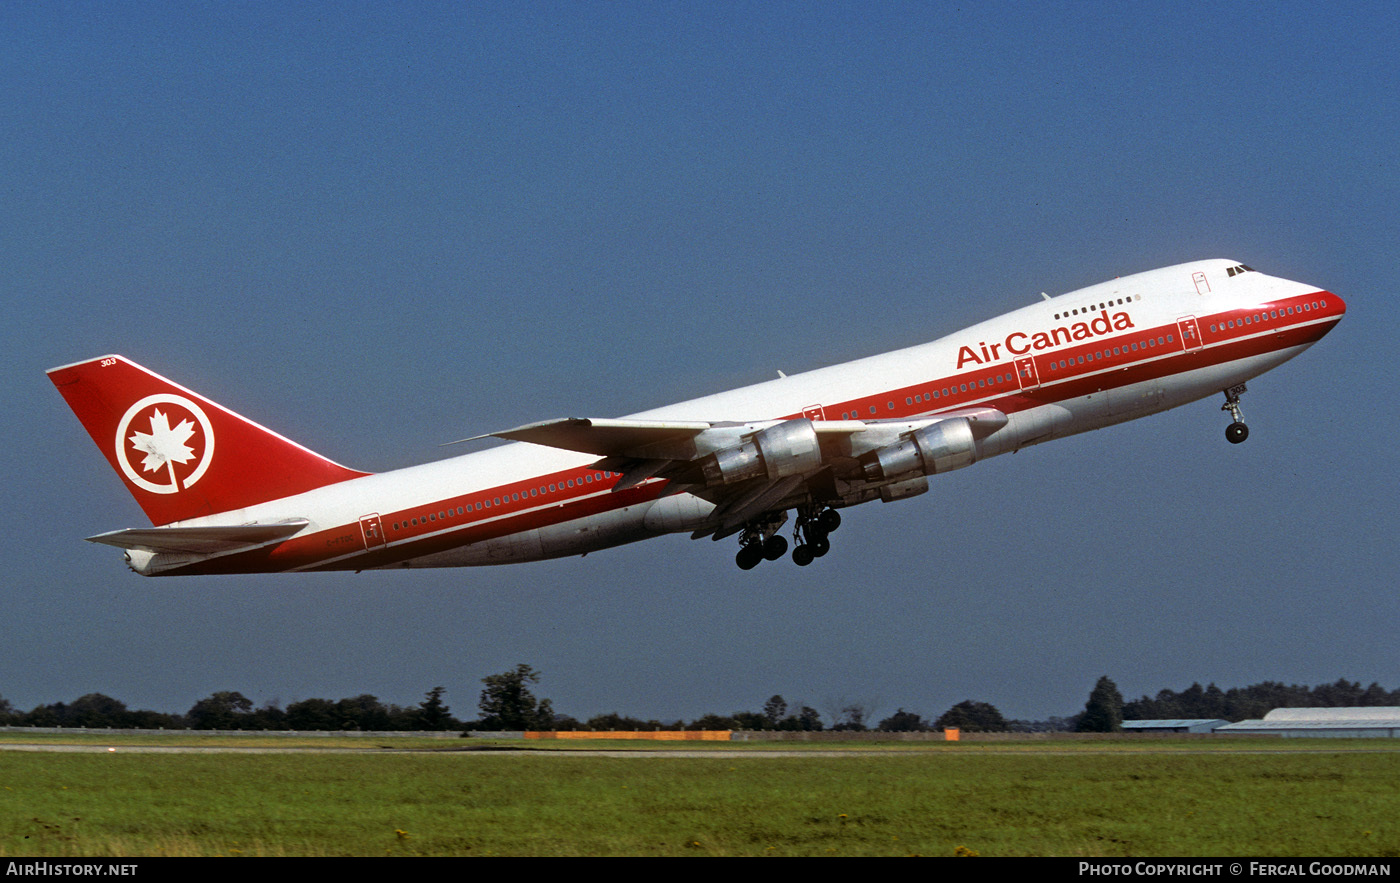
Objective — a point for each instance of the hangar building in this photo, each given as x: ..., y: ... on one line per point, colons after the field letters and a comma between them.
x: 1358, y: 723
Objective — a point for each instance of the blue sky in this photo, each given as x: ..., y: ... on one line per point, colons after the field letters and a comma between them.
x: 376, y: 228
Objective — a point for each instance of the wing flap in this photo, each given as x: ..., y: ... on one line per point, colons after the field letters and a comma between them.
x: 200, y: 540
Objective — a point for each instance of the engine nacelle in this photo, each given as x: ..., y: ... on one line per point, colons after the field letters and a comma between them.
x: 789, y: 448
x: 942, y: 447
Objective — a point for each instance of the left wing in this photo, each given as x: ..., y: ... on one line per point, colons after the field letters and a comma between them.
x: 748, y: 469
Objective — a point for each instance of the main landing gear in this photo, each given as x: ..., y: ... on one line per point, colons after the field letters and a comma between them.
x: 1236, y: 432
x: 761, y: 542
x: 811, y: 533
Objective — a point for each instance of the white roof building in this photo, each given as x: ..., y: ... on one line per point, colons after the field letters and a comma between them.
x: 1359, y: 723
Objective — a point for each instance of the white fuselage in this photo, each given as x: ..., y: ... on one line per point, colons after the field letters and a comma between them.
x: 1134, y: 346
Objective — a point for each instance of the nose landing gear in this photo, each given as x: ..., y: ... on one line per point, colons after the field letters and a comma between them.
x: 1236, y: 432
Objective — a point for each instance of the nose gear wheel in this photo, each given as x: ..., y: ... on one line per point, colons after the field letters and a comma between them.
x: 1236, y: 432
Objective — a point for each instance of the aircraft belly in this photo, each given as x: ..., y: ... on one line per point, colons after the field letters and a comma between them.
x: 1130, y: 401
x: 1024, y: 428
x: 509, y: 549
x: 600, y: 531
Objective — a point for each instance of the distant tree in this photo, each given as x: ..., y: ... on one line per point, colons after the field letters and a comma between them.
x: 1342, y: 694
x: 974, y: 717
x: 508, y: 704
x: 712, y: 722
x: 312, y: 714
x: 903, y: 722
x: 807, y: 719
x: 615, y: 722
x: 774, y: 710
x: 51, y: 715
x: 226, y: 710
x: 1374, y: 695
x: 1103, y: 713
x: 1253, y: 701
x: 749, y: 720
x: 154, y: 720
x: 269, y: 716
x: 363, y: 712
x: 852, y: 718
x: 96, y: 710
x: 1049, y: 725
x: 433, y: 713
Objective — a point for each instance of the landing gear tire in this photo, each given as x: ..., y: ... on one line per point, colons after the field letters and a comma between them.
x: 1236, y: 432
x: 814, y: 524
x: 749, y: 556
x: 775, y: 547
x: 760, y: 541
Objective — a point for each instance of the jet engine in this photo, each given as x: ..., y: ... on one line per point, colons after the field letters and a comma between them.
x: 789, y: 448
x: 942, y: 447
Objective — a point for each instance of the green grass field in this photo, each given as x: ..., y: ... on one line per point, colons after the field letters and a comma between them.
x: 1130, y: 798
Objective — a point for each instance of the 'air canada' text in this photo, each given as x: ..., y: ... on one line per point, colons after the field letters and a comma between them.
x: 1019, y: 343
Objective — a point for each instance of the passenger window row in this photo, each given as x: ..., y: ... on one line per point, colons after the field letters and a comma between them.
x: 972, y: 385
x: 1268, y: 315
x: 481, y: 505
x: 1127, y: 349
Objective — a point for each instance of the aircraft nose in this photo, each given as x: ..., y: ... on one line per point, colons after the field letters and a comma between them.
x: 1333, y: 307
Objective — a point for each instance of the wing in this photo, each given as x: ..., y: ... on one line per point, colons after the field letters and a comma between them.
x: 748, y: 469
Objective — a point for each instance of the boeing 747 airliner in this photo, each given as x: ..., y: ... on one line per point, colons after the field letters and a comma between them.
x: 229, y: 496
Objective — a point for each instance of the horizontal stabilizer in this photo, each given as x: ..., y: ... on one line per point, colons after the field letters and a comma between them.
x: 200, y: 540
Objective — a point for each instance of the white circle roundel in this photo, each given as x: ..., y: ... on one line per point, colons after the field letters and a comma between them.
x: 164, y: 443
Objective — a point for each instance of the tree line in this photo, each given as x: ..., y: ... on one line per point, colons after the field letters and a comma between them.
x: 508, y: 702
x: 1255, y: 701
x: 230, y: 710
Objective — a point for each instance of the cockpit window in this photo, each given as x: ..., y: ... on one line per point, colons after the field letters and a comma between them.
x: 1237, y: 269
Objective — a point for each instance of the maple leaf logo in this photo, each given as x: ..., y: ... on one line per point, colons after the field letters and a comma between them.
x: 163, y: 446
x: 188, y: 444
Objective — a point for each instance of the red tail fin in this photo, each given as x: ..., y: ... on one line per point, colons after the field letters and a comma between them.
x: 180, y: 454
